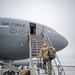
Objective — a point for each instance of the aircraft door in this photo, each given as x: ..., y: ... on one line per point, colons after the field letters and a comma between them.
x: 33, y: 28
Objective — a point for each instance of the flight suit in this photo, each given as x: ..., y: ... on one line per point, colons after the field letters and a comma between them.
x: 44, y: 54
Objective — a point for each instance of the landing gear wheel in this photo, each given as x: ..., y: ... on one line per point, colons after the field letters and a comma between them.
x: 7, y: 73
x: 12, y: 73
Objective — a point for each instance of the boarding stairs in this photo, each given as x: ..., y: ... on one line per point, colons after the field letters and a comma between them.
x: 35, y: 43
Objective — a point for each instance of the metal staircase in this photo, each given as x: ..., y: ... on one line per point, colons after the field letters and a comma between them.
x: 35, y: 43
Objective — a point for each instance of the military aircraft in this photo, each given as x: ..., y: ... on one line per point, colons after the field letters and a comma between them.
x: 14, y: 43
x: 14, y: 38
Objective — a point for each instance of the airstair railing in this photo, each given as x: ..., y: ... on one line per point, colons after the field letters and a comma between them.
x: 30, y: 50
x: 30, y: 55
x: 53, y: 70
x: 43, y: 33
x: 60, y: 68
x: 47, y: 65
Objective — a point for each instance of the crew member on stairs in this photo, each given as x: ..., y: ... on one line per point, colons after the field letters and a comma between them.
x: 44, y: 54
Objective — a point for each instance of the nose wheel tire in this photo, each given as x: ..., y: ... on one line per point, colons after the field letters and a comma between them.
x: 7, y: 73
x: 12, y: 73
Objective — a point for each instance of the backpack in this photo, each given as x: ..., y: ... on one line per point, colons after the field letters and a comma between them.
x: 51, y: 55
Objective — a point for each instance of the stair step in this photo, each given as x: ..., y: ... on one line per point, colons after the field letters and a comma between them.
x: 36, y: 46
x: 36, y: 41
x: 35, y: 55
x: 36, y: 51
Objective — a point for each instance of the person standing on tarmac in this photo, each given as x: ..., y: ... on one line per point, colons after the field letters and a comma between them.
x: 44, y: 54
x: 23, y: 71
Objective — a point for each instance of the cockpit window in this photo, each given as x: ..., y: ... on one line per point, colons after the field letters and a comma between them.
x: 51, y: 30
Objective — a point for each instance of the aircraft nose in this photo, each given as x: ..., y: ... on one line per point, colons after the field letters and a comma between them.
x: 64, y: 42
x: 61, y: 42
x: 58, y: 41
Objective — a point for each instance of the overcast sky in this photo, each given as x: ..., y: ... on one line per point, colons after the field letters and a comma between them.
x: 57, y: 14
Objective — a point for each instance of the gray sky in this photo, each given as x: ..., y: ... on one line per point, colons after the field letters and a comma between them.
x: 57, y: 14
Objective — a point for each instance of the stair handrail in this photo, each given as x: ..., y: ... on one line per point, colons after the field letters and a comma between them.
x: 46, y: 37
x: 30, y: 50
x: 53, y: 70
x: 45, y: 41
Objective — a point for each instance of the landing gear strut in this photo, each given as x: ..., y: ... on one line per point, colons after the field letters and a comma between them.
x: 8, y: 69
